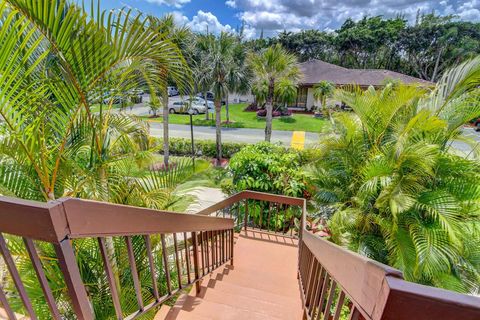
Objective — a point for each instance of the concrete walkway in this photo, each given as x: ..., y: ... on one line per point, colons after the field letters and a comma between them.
x: 206, y: 197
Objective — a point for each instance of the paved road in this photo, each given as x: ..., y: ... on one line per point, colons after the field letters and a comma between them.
x: 244, y: 135
x: 228, y: 134
x: 256, y: 135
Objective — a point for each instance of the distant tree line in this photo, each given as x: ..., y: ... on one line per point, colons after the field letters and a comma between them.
x: 423, y: 49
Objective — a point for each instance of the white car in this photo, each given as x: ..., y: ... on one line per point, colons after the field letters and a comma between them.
x: 172, y: 91
x: 199, y: 100
x: 184, y: 107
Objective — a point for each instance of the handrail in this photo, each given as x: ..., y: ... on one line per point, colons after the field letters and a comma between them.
x: 331, y: 278
x: 375, y: 291
x: 191, y: 247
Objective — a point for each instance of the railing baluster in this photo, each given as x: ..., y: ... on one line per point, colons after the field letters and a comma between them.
x: 322, y: 296
x: 7, y: 257
x: 195, y: 261
x: 202, y: 253
x: 177, y: 262
x: 311, y: 282
x: 6, y: 305
x: 223, y: 246
x: 318, y: 290
x: 269, y: 215
x: 331, y: 295
x: 165, y: 263
x: 73, y: 280
x: 246, y: 216
x: 187, y: 256
x: 354, y: 313
x: 148, y: 245
x: 207, y: 246
x: 133, y: 270
x: 37, y: 265
x: 338, y: 308
x: 111, y: 278
x: 232, y: 242
x: 212, y: 243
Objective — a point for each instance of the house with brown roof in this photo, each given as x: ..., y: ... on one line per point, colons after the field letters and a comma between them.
x: 315, y: 71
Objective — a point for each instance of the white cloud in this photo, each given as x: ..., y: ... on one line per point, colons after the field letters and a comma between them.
x: 207, y: 21
x: 278, y: 15
x: 172, y: 3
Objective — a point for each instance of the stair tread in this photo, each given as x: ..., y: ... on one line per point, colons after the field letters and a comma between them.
x: 215, y: 310
x: 232, y: 288
x: 283, y: 308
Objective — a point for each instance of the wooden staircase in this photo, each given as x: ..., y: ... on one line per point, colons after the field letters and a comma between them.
x: 262, y: 284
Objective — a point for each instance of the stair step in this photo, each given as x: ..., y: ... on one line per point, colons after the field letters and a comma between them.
x: 213, y: 310
x: 242, y: 299
x: 276, y: 284
x: 231, y: 288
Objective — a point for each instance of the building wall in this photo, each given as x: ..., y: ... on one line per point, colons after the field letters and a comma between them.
x: 310, y: 99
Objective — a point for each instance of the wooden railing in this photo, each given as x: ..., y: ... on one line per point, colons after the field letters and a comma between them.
x: 166, y: 252
x: 261, y: 211
x: 339, y: 284
x: 163, y: 253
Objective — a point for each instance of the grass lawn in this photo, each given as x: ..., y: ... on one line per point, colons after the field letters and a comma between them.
x: 244, y: 119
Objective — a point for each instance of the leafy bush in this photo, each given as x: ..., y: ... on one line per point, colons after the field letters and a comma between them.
x: 183, y: 147
x: 268, y: 168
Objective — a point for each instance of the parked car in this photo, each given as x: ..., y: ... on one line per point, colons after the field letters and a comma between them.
x: 172, y: 91
x: 114, y: 100
x: 200, y: 100
x: 210, y: 97
x: 185, y: 106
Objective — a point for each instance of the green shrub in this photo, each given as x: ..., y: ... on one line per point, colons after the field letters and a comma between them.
x: 270, y: 168
x: 183, y: 147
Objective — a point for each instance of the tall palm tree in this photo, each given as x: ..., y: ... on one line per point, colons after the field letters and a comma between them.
x: 402, y: 194
x: 322, y: 91
x: 201, y: 66
x: 239, y: 75
x: 60, y: 135
x: 273, y: 64
x: 179, y: 36
x: 220, y: 56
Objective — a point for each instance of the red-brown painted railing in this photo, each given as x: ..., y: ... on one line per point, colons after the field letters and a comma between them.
x: 183, y: 240
x: 334, y: 283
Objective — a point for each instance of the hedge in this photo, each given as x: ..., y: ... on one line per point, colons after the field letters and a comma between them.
x: 206, y: 148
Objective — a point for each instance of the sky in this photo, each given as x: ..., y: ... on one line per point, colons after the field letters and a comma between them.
x: 273, y: 16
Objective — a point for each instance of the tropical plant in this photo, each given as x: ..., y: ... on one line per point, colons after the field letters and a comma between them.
x: 403, y: 195
x: 178, y: 35
x: 322, y: 91
x: 270, y: 66
x: 219, y: 53
x: 286, y: 92
x: 53, y: 144
x: 66, y: 68
x: 239, y: 76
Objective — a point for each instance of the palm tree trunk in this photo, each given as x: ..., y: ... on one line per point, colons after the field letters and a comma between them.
x: 269, y: 118
x: 227, y: 112
x: 207, y: 114
x: 218, y: 126
x: 166, y: 145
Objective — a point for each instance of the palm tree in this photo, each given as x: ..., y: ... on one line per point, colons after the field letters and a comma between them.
x: 271, y: 65
x: 239, y: 75
x: 286, y: 92
x: 402, y: 194
x: 322, y: 91
x: 219, y: 54
x: 201, y: 66
x: 60, y: 136
x: 179, y: 36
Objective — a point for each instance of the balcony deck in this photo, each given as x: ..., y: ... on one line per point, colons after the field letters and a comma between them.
x: 262, y: 283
